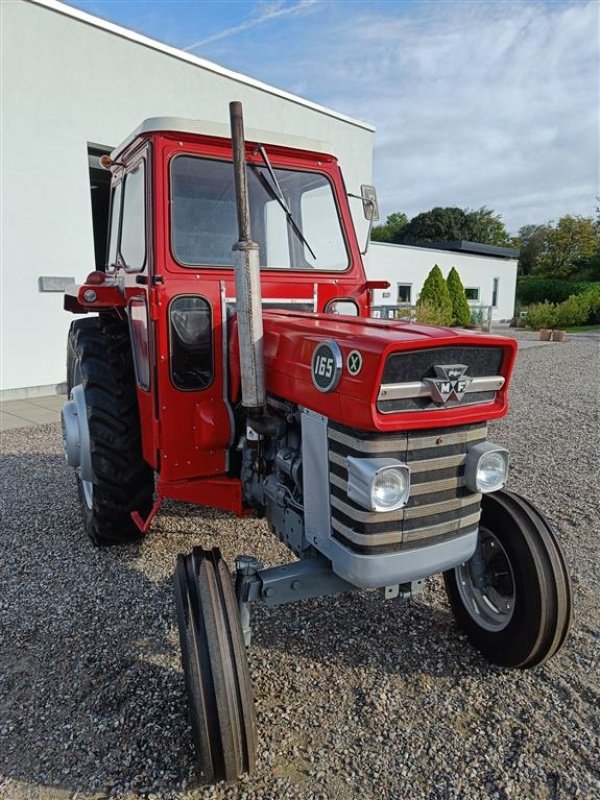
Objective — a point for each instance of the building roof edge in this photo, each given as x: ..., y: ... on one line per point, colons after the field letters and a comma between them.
x: 182, y: 55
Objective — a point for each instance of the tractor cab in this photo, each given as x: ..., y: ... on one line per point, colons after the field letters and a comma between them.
x: 170, y: 268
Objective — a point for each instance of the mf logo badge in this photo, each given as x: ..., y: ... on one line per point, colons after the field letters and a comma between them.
x: 354, y: 362
x: 326, y: 367
x: 450, y: 383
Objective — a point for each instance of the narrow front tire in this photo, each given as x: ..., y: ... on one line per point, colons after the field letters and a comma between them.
x: 220, y: 701
x: 513, y: 598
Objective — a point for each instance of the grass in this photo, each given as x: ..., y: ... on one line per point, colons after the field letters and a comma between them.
x: 582, y: 328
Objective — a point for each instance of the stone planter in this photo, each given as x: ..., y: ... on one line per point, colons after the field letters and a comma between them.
x: 559, y: 336
x: 545, y: 335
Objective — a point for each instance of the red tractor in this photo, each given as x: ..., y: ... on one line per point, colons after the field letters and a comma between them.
x: 249, y: 377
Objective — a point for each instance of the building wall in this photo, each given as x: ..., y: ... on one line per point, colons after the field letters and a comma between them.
x: 66, y: 84
x: 402, y: 264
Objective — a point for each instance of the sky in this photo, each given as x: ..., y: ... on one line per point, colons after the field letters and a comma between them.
x: 476, y: 103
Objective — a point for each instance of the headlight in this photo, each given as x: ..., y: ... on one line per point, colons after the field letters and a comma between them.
x: 486, y: 467
x: 378, y: 484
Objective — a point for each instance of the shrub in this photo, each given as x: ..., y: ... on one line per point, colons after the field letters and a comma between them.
x: 575, y: 310
x: 430, y: 314
x: 533, y: 289
x: 435, y: 294
x: 476, y: 316
x: 541, y: 315
x: 592, y: 297
x: 461, y: 313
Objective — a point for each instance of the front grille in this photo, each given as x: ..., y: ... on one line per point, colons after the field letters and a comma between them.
x: 440, y: 505
x: 409, y: 369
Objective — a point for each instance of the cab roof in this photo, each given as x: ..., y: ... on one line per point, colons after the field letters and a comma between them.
x: 220, y: 130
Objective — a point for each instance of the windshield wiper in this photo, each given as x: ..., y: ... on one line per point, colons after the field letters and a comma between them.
x: 278, y: 195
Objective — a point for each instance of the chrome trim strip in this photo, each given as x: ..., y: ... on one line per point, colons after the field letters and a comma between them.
x: 436, y: 486
x: 440, y: 508
x: 367, y: 516
x: 443, y: 439
x: 399, y: 515
x: 366, y: 446
x: 415, y: 389
x: 393, y: 537
x: 431, y: 464
x: 400, y: 444
x: 427, y: 465
x: 269, y: 301
x: 443, y: 527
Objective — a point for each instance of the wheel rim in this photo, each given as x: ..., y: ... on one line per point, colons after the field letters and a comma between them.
x: 486, y: 583
x: 87, y: 487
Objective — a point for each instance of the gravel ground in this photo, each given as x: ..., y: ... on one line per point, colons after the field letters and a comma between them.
x: 356, y: 698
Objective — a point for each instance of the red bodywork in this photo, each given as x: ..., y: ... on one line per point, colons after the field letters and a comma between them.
x: 187, y: 434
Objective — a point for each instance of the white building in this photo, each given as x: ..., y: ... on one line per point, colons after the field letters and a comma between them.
x: 489, y: 274
x: 73, y: 87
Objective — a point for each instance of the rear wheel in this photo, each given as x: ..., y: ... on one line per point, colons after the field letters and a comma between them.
x: 220, y: 701
x: 513, y: 597
x: 101, y: 431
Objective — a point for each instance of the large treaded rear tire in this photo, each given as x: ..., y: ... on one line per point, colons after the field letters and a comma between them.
x: 99, y: 358
x: 520, y: 616
x: 219, y: 690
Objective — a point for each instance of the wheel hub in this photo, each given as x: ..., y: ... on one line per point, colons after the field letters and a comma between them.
x: 486, y: 584
x: 76, y: 434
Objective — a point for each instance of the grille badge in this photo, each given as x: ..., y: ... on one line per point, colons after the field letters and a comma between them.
x: 450, y: 383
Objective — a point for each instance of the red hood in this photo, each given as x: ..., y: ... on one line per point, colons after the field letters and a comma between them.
x: 289, y: 343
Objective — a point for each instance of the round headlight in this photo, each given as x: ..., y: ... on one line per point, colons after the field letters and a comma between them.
x: 390, y: 489
x: 492, y: 471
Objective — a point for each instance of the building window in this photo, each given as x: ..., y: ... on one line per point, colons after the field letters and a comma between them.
x: 495, y: 292
x: 472, y: 293
x: 404, y: 292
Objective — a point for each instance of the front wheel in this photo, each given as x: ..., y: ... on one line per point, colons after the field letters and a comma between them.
x: 513, y: 597
x: 220, y: 701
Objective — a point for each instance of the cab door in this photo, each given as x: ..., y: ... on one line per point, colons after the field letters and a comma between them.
x: 195, y: 419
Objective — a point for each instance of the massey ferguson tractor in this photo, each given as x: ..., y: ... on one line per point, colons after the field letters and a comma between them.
x: 231, y: 362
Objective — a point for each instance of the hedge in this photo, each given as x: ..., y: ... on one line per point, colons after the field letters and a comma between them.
x: 532, y: 289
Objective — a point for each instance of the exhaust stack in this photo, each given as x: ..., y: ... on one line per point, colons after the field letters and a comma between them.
x: 247, y: 280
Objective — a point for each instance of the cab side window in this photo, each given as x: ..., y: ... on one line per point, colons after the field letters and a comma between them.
x: 133, y: 224
x: 113, y: 240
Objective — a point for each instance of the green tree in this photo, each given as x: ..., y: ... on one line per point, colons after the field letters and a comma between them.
x: 393, y: 225
x: 435, y: 295
x: 451, y: 223
x: 486, y: 227
x: 438, y: 225
x: 461, y: 313
x: 531, y: 241
x: 571, y: 247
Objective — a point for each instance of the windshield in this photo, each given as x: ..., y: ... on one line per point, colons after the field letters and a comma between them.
x: 204, y: 225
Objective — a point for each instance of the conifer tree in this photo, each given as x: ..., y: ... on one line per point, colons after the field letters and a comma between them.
x: 461, y: 313
x: 434, y: 295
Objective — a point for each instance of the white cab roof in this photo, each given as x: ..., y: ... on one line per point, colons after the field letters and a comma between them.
x: 223, y: 131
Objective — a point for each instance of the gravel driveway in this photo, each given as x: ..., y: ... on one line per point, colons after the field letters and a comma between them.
x: 356, y: 698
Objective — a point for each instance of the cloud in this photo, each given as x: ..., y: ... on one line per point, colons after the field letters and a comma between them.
x: 263, y: 12
x: 475, y: 104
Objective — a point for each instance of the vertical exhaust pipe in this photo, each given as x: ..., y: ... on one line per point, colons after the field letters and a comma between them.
x: 247, y: 280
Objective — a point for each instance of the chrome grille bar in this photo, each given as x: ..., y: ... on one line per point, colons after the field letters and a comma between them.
x: 415, y: 389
